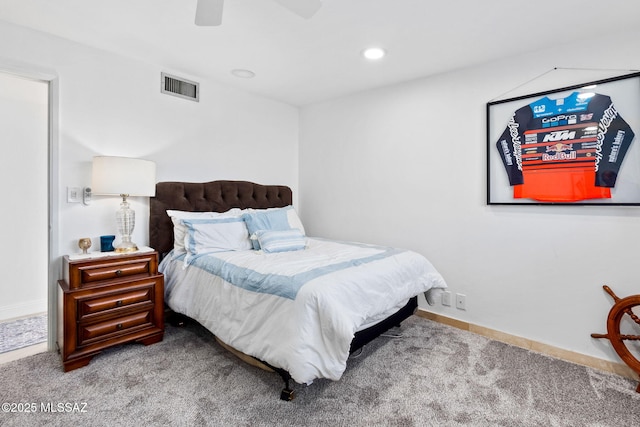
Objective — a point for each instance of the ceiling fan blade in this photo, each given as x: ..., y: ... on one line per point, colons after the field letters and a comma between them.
x: 209, y: 12
x: 303, y: 8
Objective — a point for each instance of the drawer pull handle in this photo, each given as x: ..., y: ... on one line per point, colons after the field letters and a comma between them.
x: 119, y: 326
x: 118, y: 272
x: 119, y: 303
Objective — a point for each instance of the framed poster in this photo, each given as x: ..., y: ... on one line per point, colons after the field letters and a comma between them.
x: 578, y: 145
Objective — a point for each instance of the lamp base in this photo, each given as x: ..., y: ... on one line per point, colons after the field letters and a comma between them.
x: 126, y: 220
x: 126, y: 247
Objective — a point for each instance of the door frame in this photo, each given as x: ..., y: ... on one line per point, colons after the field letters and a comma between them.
x: 50, y: 77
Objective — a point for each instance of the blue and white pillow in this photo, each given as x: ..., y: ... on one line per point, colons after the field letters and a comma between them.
x: 209, y: 235
x: 179, y: 228
x: 273, y: 219
x: 281, y: 241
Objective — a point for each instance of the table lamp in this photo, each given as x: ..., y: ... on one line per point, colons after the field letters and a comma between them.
x: 124, y: 177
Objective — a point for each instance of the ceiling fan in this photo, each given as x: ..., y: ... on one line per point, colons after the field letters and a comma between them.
x: 209, y: 12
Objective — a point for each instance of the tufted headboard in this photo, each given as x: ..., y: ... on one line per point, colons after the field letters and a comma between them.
x: 215, y: 196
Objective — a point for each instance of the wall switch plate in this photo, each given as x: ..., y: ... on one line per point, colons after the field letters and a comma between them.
x: 446, y: 298
x: 461, y: 302
x: 74, y: 194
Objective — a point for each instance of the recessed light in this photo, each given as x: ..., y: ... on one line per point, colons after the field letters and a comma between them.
x: 374, y: 53
x: 243, y: 74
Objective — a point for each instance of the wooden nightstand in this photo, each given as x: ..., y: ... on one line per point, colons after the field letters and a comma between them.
x: 107, y: 301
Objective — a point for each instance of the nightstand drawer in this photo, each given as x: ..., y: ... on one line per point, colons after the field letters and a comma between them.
x: 90, y: 272
x: 107, y: 328
x: 129, y: 298
x: 114, y: 271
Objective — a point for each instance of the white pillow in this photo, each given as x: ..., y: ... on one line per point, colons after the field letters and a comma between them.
x: 208, y: 235
x: 179, y: 228
x: 281, y: 241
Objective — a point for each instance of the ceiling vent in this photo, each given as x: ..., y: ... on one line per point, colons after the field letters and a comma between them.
x: 177, y: 86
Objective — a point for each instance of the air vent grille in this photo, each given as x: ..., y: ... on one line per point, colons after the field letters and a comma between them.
x: 177, y: 86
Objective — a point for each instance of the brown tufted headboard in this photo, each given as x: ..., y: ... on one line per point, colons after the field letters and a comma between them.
x: 215, y: 196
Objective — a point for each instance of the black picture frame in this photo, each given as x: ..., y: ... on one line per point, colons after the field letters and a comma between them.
x: 624, y: 92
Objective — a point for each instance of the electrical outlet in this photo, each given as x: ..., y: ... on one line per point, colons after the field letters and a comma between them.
x: 446, y: 298
x: 461, y: 302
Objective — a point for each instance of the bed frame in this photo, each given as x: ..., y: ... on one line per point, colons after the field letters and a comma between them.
x: 220, y: 196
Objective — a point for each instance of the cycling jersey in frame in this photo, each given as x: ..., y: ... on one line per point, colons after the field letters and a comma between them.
x: 565, y: 150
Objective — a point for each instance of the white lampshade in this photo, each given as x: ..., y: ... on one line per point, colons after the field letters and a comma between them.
x: 123, y: 175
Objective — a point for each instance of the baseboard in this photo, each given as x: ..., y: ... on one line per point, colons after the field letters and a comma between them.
x: 20, y: 353
x: 23, y: 309
x: 569, y: 356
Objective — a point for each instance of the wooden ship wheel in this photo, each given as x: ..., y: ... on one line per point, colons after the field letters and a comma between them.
x: 626, y: 345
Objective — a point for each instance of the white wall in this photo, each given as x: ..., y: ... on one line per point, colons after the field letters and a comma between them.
x: 112, y: 105
x: 406, y: 166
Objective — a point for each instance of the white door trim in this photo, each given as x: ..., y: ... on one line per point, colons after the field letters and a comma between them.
x: 54, y: 272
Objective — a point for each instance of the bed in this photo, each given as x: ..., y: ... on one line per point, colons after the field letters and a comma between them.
x: 243, y: 267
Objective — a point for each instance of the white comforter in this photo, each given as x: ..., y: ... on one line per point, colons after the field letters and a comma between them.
x: 297, y: 310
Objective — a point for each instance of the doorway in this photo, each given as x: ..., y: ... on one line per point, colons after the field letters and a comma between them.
x: 24, y: 177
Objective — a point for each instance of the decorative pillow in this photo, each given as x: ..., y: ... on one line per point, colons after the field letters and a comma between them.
x: 209, y: 235
x: 278, y: 219
x: 179, y: 228
x: 281, y: 241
